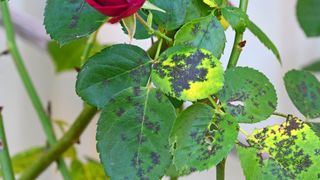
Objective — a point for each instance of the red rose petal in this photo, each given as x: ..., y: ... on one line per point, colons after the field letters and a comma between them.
x: 111, y: 2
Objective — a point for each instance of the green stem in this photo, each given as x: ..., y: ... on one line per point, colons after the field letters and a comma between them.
x: 69, y: 138
x: 88, y: 47
x: 152, y: 31
x: 215, y: 105
x: 24, y: 75
x: 174, y: 178
x: 5, y: 161
x: 280, y: 114
x: 220, y: 169
x: 158, y: 49
x: 237, y: 47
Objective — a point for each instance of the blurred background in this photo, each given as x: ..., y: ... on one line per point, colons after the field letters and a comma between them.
x: 276, y: 18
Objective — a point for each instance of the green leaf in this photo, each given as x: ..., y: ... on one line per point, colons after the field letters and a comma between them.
x: 236, y: 18
x: 22, y: 160
x: 77, y: 170
x: 309, y: 16
x: 112, y: 70
x: 133, y: 134
x: 292, y: 148
x: 174, y: 16
x: 304, y: 91
x: 200, y: 139
x: 94, y: 170
x: 313, y: 67
x: 69, y: 20
x: 264, y: 39
x: 248, y: 95
x: 195, y: 10
x: 68, y: 57
x: 188, y: 73
x: 255, y: 167
x: 205, y: 33
x: 315, y: 126
x: 87, y: 171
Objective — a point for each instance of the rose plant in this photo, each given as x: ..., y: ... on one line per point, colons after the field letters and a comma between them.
x: 146, y: 130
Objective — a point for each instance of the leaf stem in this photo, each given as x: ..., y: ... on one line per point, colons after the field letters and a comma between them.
x: 153, y: 31
x: 280, y: 114
x: 220, y: 170
x: 24, y: 75
x: 69, y: 138
x: 174, y: 178
x: 215, y: 105
x: 5, y: 161
x: 244, y: 132
x: 158, y: 49
x: 237, y: 48
x: 88, y: 47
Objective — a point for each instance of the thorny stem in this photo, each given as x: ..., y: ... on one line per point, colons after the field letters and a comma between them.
x: 234, y: 57
x: 152, y: 31
x: 237, y: 45
x: 24, y: 75
x: 69, y: 138
x: 5, y: 161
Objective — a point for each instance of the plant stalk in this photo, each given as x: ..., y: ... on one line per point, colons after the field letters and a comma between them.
x: 69, y: 138
x: 5, y: 161
x: 238, y: 39
x: 220, y: 170
x: 24, y: 75
x: 152, y: 31
x: 233, y: 60
x: 88, y: 47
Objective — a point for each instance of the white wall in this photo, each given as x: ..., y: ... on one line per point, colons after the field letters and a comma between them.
x: 276, y: 18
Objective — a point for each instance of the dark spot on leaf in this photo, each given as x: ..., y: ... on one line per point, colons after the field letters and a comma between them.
x: 120, y: 112
x: 155, y: 157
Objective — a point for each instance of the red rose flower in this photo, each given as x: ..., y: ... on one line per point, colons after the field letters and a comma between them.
x: 117, y: 9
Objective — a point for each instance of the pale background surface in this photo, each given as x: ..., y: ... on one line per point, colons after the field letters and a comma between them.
x: 276, y: 18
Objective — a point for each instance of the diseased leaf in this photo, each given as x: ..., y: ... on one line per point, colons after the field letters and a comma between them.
x: 236, y: 18
x: 206, y: 33
x: 69, y: 20
x: 255, y: 167
x: 309, y: 16
x: 68, y: 57
x: 304, y: 91
x: 264, y: 39
x: 133, y: 134
x: 292, y: 150
x: 313, y: 67
x: 174, y: 16
x: 248, y: 95
x: 112, y: 70
x: 188, y: 73
x: 200, y: 139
